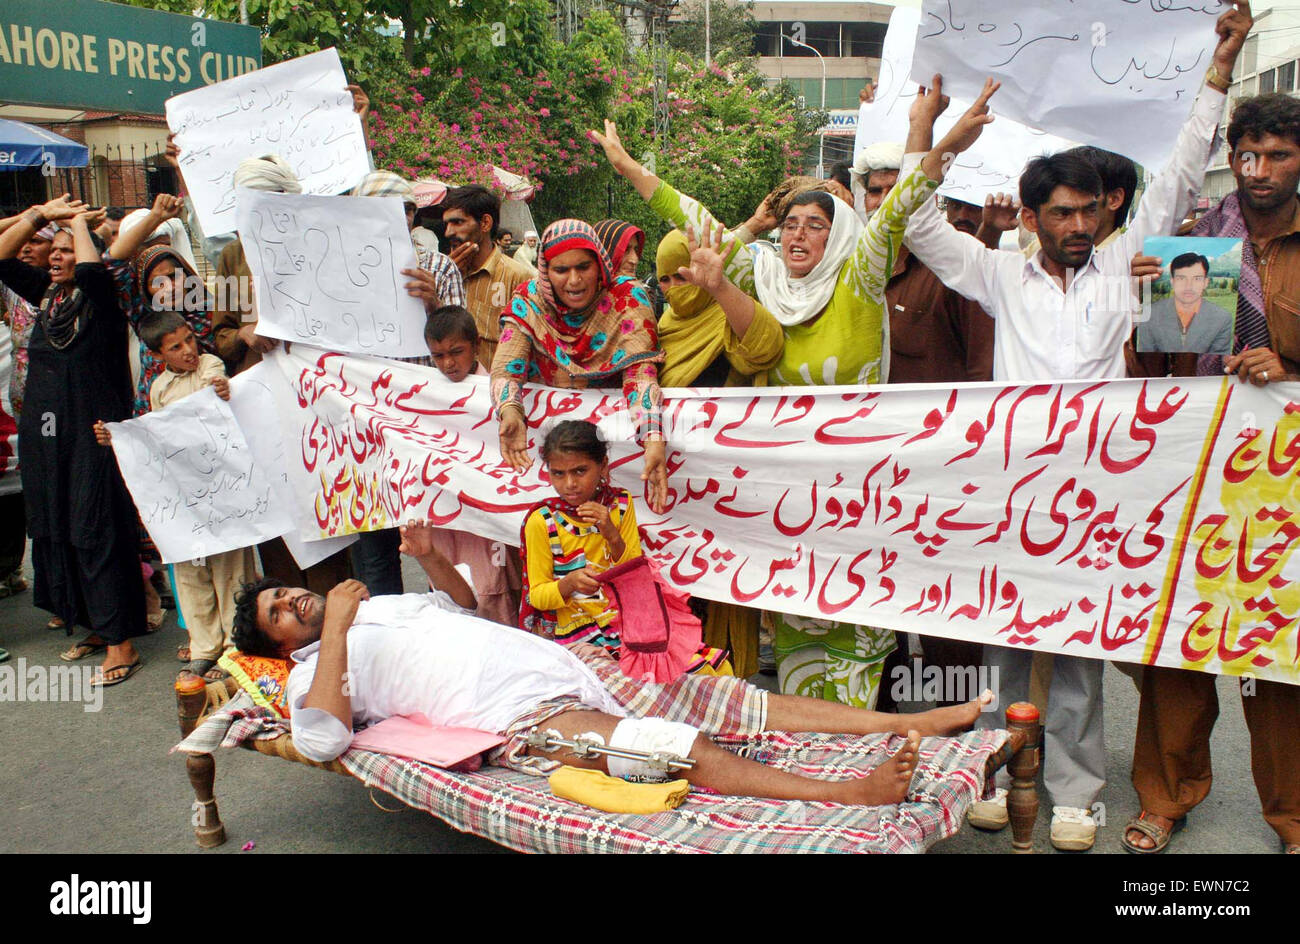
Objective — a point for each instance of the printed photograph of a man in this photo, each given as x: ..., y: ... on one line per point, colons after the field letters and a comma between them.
x: 1193, y: 305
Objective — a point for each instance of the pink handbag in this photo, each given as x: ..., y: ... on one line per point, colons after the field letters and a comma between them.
x: 658, y: 633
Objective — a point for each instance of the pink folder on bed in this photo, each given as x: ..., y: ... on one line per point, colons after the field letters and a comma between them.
x: 414, y: 737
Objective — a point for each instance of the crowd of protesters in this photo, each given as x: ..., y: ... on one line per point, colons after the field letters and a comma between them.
x: 871, y: 280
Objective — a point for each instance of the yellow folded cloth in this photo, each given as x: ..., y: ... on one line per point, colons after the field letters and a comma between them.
x: 598, y: 789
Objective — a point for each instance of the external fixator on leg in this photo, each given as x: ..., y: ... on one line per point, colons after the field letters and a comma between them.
x: 590, y: 745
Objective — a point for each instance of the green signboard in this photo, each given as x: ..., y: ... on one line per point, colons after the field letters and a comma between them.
x: 92, y: 54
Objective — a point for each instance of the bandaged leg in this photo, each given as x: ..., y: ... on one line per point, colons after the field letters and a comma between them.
x: 649, y: 736
x: 724, y: 772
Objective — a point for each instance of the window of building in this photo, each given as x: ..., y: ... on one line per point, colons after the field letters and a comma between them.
x: 1266, y: 80
x: 1286, y: 77
x: 864, y: 39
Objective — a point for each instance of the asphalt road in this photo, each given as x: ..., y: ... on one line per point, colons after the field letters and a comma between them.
x: 73, y: 781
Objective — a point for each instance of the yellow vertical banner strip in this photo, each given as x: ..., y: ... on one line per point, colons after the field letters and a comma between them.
x: 1160, y: 619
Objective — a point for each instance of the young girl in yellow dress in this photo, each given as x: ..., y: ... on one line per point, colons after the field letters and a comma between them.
x: 589, y: 527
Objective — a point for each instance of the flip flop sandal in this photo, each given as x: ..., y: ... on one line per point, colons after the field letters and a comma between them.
x: 81, y: 650
x: 153, y: 621
x: 183, y: 652
x: 101, y: 680
x: 56, y: 623
x: 1156, y: 833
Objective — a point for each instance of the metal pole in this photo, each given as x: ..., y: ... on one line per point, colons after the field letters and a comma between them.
x: 243, y: 12
x: 821, y: 136
x: 708, y: 58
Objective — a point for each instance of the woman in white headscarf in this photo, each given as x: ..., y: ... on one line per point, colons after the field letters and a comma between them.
x: 826, y: 286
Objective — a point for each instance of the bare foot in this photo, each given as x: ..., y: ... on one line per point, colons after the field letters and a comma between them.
x: 888, y: 783
x: 939, y: 722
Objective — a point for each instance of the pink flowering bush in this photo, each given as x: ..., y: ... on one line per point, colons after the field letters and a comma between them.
x: 528, y: 110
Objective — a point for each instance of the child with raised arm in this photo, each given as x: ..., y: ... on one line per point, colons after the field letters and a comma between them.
x: 205, y: 588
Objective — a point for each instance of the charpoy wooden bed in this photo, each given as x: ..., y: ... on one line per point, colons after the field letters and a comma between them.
x: 517, y: 810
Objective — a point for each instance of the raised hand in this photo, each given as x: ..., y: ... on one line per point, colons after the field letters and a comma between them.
x: 91, y: 218
x: 417, y: 539
x: 172, y: 155
x: 968, y: 127
x: 929, y: 104
x: 360, y: 101
x: 1144, y: 270
x: 763, y: 220
x: 1001, y: 212
x: 705, y: 269
x: 610, y: 142
x: 61, y: 208
x: 837, y: 189
x: 167, y: 206
x: 1231, y: 28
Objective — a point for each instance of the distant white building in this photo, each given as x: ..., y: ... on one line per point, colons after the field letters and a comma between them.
x: 848, y: 37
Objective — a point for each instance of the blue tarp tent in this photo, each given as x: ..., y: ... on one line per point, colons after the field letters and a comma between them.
x: 24, y: 145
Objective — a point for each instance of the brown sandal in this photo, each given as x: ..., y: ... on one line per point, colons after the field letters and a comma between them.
x: 1158, y: 834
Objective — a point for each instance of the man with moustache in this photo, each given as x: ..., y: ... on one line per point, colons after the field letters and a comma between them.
x: 1059, y: 317
x: 1171, y: 753
x: 472, y: 214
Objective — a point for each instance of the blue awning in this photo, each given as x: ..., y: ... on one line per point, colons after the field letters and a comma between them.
x: 23, y: 145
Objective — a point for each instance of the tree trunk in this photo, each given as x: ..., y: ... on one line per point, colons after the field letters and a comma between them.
x: 409, y: 26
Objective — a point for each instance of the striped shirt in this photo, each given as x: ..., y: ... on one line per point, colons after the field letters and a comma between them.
x: 451, y: 287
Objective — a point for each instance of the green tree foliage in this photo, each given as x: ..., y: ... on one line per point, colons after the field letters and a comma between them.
x: 486, y: 82
x: 732, y: 28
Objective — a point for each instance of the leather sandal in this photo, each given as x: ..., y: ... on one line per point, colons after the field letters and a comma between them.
x: 1158, y: 835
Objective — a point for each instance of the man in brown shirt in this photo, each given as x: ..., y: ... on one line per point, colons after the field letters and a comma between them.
x: 938, y: 336
x: 935, y: 334
x: 1178, y: 708
x: 472, y: 215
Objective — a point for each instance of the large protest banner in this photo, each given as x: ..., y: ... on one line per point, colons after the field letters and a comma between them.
x: 92, y: 54
x: 299, y: 110
x: 1073, y: 68
x: 1146, y: 521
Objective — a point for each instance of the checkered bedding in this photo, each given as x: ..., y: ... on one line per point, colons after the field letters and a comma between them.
x: 517, y: 809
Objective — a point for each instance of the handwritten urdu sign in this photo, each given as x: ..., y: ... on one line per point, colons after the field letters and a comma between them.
x: 993, y: 165
x: 1147, y: 521
x: 1117, y: 74
x: 299, y: 110
x: 327, y: 271
x: 194, y: 481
